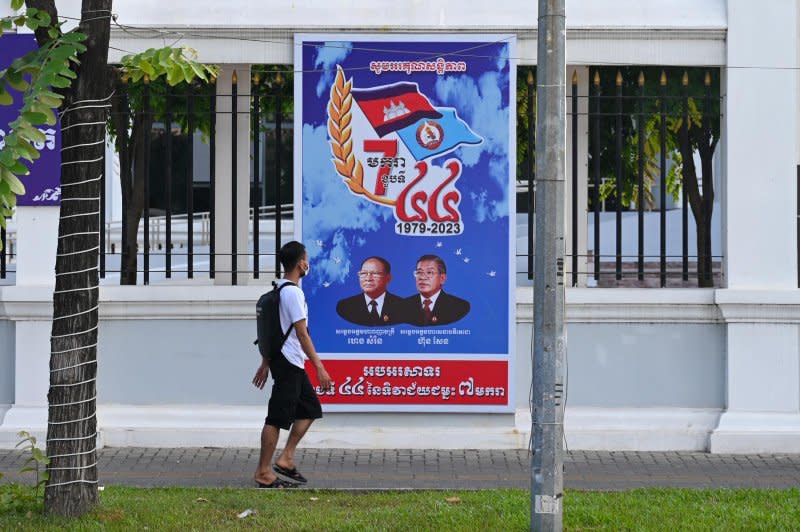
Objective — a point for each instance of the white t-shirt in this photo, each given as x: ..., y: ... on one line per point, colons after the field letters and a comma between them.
x: 293, y: 308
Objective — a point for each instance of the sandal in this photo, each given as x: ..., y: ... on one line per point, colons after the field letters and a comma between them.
x: 276, y: 484
x: 293, y: 473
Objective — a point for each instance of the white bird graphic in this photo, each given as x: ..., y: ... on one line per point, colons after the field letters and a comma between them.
x: 337, y: 260
x: 439, y: 244
x: 318, y: 243
x: 458, y: 251
x: 326, y: 284
x: 492, y: 273
x: 466, y: 259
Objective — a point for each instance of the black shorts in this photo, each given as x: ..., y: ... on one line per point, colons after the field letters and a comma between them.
x: 292, y: 396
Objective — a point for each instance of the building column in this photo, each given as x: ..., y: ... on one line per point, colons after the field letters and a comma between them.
x: 223, y: 209
x: 761, y: 305
x: 37, y: 236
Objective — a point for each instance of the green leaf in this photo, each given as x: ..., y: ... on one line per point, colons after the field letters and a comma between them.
x: 34, y: 117
x: 60, y: 82
x: 5, y: 96
x: 147, y: 68
x: 26, y: 151
x: 16, y: 185
x: 50, y: 116
x: 53, y: 33
x: 17, y: 4
x: 19, y: 168
x: 15, y: 79
x: 50, y: 99
x: 32, y: 23
x: 38, y: 455
x: 74, y: 37
x: 44, y: 18
x: 198, y: 70
x: 29, y: 132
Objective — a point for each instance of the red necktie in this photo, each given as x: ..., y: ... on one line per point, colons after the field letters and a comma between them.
x: 426, y: 308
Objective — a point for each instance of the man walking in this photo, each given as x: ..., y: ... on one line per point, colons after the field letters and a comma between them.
x: 293, y: 404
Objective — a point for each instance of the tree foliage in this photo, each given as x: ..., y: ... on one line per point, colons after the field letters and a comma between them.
x: 38, y: 75
x: 72, y: 77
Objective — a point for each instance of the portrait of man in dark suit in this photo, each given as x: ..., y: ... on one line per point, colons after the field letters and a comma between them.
x: 431, y: 305
x: 374, y: 306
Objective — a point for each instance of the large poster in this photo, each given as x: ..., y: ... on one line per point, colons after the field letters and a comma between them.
x: 404, y: 157
x: 43, y: 184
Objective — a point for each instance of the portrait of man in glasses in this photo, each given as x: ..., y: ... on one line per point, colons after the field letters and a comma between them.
x: 431, y: 305
x: 375, y: 305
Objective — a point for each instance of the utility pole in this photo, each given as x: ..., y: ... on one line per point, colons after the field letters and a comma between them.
x: 547, y: 463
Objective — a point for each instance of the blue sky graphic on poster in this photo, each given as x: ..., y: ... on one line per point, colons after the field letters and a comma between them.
x: 456, y: 123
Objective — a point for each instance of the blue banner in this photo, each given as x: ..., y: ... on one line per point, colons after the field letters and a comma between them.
x: 43, y: 184
x: 404, y: 171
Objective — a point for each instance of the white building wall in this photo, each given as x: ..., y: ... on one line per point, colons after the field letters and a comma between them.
x: 752, y: 376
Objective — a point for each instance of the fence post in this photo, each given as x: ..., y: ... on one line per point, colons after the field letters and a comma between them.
x: 255, y: 194
x: 168, y: 180
x: 190, y: 184
x: 640, y: 180
x: 278, y: 148
x: 619, y: 178
x: 232, y: 190
x: 531, y: 167
x: 684, y: 195
x: 596, y: 188
x: 212, y: 172
x: 147, y: 140
x: 662, y: 97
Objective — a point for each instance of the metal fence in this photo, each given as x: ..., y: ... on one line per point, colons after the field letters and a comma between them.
x: 642, y: 126
x: 636, y: 123
x: 173, y: 237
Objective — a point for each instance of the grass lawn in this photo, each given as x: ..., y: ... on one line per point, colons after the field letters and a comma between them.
x: 501, y: 510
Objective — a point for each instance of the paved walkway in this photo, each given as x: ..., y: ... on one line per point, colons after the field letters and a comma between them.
x: 434, y: 469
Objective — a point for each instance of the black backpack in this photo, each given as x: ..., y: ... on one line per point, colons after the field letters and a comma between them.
x: 268, y: 322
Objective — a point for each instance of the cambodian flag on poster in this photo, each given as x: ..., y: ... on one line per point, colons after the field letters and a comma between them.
x: 404, y: 197
x: 394, y: 106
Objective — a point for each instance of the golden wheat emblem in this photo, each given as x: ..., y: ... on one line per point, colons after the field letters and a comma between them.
x: 339, y: 128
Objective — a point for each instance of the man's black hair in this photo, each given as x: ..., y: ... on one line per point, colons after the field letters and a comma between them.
x: 290, y: 254
x: 437, y: 259
x: 387, y: 268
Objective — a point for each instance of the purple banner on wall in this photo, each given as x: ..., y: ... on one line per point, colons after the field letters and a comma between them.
x: 43, y: 184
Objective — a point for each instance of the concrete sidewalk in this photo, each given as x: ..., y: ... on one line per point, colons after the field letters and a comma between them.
x: 436, y: 469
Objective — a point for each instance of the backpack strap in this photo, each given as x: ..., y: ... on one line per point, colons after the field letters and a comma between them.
x: 291, y: 325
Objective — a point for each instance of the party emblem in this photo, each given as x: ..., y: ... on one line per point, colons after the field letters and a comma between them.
x: 430, y: 135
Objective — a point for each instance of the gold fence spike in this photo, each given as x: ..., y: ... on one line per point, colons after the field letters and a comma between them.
x: 663, y: 79
x: 596, y: 77
x: 574, y: 77
x: 685, y: 79
x: 641, y: 78
x: 530, y: 77
x: 234, y: 78
x: 619, y: 78
x: 707, y: 81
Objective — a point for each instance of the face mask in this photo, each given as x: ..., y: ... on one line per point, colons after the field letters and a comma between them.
x: 308, y: 269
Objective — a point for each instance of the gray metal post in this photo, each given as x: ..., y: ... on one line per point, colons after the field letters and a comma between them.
x: 547, y: 476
